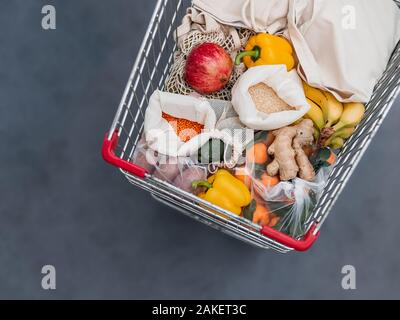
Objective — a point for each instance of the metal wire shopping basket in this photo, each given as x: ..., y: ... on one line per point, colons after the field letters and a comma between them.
x: 149, y: 73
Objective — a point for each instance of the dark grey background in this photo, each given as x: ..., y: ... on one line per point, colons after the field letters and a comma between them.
x: 60, y: 204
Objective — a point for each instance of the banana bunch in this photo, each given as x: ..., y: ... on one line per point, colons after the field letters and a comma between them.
x: 334, y: 122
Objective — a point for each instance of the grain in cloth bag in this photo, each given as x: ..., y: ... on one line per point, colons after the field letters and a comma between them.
x: 285, y: 89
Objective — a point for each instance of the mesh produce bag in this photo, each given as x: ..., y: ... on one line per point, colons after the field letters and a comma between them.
x: 178, y: 171
x: 291, y: 204
x: 198, y: 30
x: 286, y: 206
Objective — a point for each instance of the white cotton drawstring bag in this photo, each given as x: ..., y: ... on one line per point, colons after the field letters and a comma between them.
x: 343, y: 46
x: 288, y: 87
x: 217, y: 116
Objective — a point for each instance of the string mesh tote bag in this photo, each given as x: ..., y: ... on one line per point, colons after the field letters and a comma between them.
x: 198, y: 27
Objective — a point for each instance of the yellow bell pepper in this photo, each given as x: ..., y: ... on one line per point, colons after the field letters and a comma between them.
x: 265, y: 49
x: 225, y: 191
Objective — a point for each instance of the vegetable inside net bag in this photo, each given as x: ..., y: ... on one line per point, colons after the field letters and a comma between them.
x: 178, y: 171
x: 286, y: 206
x: 208, y: 119
x: 198, y: 27
x: 292, y: 202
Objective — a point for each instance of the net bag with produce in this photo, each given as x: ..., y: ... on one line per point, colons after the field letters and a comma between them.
x: 198, y: 28
x: 286, y: 175
x: 178, y: 171
x: 288, y: 205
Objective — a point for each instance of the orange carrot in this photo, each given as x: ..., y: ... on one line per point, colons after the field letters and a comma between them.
x: 257, y: 153
x: 332, y: 159
x: 261, y: 216
x: 274, y: 221
x: 269, y: 181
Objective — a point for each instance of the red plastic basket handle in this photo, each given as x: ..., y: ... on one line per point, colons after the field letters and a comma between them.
x: 108, y: 152
x: 298, y: 245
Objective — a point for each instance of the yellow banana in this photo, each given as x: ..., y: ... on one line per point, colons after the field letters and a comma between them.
x: 315, y: 114
x: 337, y: 143
x: 351, y: 117
x: 344, y: 133
x: 314, y: 94
x: 331, y: 108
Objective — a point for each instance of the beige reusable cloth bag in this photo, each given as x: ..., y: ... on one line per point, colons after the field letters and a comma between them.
x: 258, y: 15
x: 343, y: 46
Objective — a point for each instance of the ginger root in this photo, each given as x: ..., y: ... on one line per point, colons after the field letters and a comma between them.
x: 305, y: 137
x: 289, y: 156
x: 284, y: 156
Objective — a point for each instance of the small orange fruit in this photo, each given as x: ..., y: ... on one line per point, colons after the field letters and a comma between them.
x: 261, y: 216
x: 269, y: 181
x: 273, y: 221
x: 257, y: 154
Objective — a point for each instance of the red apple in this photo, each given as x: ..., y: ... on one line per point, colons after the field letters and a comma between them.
x: 208, y: 68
